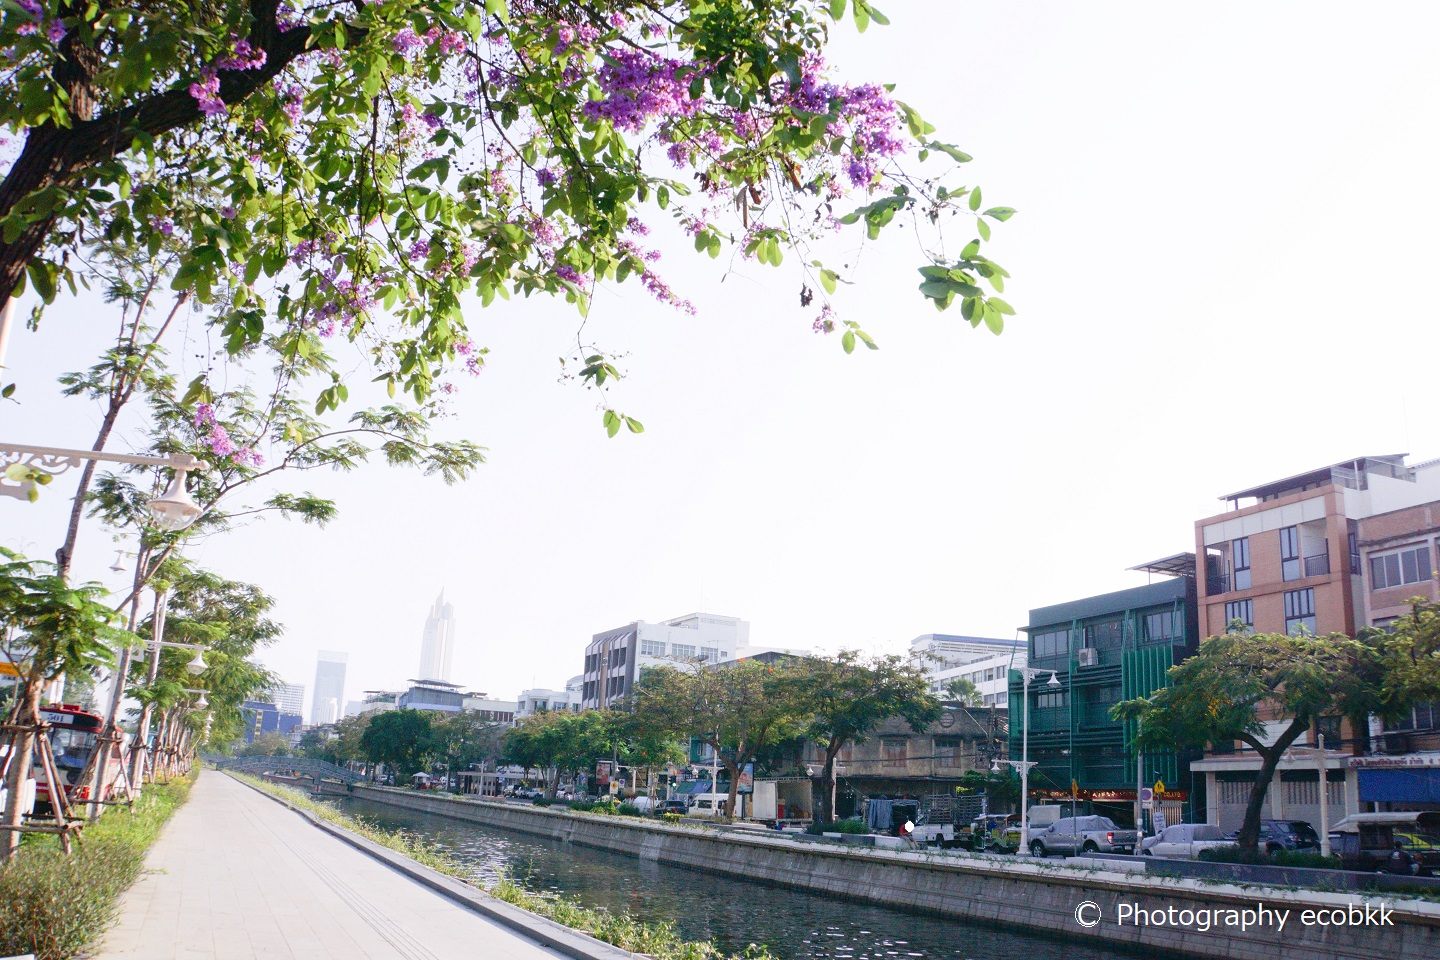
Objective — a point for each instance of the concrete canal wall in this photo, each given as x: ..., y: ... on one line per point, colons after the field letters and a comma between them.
x: 1030, y: 895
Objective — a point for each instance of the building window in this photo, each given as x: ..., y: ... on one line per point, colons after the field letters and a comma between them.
x: 1355, y: 567
x: 1163, y: 626
x: 1240, y: 562
x: 1290, y: 553
x: 1055, y: 643
x: 685, y: 651
x: 947, y: 751
x: 1109, y: 635
x: 1300, y: 611
x: 1329, y: 728
x: 652, y: 648
x: 893, y: 751
x: 710, y: 654
x: 1242, y: 610
x: 1050, y: 701
x: 1423, y: 716
x: 1410, y: 565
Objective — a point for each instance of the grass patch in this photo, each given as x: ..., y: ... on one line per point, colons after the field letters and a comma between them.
x: 57, y: 907
x: 1280, y: 858
x: 657, y: 940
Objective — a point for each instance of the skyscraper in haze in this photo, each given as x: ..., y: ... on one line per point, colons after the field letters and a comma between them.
x: 437, y: 646
x: 329, y: 687
x: 289, y: 698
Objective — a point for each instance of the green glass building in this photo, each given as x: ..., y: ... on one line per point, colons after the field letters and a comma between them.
x: 1103, y: 650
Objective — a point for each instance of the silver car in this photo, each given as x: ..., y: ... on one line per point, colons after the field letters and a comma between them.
x: 1073, y: 835
x: 1185, y: 840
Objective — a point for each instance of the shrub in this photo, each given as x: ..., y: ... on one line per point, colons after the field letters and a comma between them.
x: 541, y: 801
x: 56, y: 906
x: 1281, y: 858
x: 670, y: 818
x: 837, y: 826
x: 628, y: 810
x: 584, y: 806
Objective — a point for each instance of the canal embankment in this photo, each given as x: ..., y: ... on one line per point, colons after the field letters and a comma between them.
x: 1101, y: 903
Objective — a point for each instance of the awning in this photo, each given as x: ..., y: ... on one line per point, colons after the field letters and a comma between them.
x: 1421, y: 785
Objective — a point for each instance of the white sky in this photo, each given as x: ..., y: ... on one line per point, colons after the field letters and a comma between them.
x: 1223, y: 268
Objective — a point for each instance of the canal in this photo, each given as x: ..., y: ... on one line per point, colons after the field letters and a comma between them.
x: 792, y: 924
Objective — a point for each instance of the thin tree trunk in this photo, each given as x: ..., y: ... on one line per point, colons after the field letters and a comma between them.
x: 22, y: 757
x: 1249, y: 836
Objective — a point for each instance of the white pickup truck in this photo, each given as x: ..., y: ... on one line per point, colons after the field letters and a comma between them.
x: 1185, y: 840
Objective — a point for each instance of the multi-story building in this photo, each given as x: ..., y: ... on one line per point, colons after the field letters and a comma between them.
x: 436, y: 696
x: 262, y: 716
x: 289, y: 697
x: 984, y: 661
x: 542, y: 700
x: 1334, y: 549
x: 377, y: 701
x: 329, y: 687
x: 925, y: 765
x: 489, y: 708
x: 615, y: 658
x: 437, y: 644
x: 1102, y: 650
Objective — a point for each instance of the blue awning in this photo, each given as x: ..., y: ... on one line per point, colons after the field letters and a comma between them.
x: 1419, y: 785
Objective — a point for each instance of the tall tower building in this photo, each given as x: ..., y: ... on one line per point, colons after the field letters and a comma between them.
x: 329, y: 687
x: 437, y: 646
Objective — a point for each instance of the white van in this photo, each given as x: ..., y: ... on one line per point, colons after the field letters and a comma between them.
x: 713, y: 804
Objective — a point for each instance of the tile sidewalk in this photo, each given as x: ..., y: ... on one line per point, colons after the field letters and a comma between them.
x: 236, y: 876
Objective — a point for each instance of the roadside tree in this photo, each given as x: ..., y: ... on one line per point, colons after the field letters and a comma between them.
x: 1237, y: 682
x: 400, y: 739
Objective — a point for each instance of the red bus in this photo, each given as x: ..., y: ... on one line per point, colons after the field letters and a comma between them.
x: 73, y: 733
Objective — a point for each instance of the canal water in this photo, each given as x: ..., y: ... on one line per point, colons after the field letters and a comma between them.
x: 792, y: 924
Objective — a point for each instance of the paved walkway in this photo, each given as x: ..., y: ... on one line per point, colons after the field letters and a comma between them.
x: 236, y: 876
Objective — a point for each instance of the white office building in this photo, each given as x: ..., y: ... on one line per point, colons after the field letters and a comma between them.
x: 329, y: 686
x: 984, y: 661
x: 437, y: 645
x: 615, y: 658
x: 543, y: 700
x: 289, y: 698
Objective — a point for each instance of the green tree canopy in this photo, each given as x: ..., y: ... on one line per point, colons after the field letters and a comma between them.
x: 1236, y: 681
x: 849, y: 695
x: 400, y: 739
x: 346, y: 172
x: 739, y: 709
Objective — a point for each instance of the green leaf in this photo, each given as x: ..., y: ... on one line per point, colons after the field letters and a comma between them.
x: 634, y: 426
x: 827, y: 280
x: 612, y: 422
x: 993, y: 320
x: 1001, y: 306
x: 954, y: 153
x: 861, y: 12
x: 1000, y: 213
x: 975, y: 199
x: 837, y: 10
x: 848, y: 341
x: 982, y: 228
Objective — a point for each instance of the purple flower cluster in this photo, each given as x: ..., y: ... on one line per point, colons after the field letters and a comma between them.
x: 287, y: 18
x: 407, y: 42
x: 217, y: 438
x: 825, y: 322
x: 569, y: 274
x: 866, y: 115
x: 245, y: 57
x: 292, y: 99
x: 54, y: 31
x: 164, y: 225
x: 639, y: 86
x: 420, y: 249
x: 544, y: 232
x: 207, y: 93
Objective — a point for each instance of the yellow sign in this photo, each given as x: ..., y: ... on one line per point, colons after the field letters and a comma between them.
x: 1074, y: 787
x: 8, y: 669
x: 1159, y: 786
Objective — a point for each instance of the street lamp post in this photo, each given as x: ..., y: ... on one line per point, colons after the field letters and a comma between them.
x: 172, y: 510
x: 1024, y: 763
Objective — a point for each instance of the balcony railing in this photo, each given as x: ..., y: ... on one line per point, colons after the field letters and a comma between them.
x: 1318, y: 565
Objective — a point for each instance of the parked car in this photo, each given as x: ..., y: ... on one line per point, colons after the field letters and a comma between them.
x: 673, y: 806
x: 1277, y: 835
x: 1185, y: 840
x: 1093, y: 834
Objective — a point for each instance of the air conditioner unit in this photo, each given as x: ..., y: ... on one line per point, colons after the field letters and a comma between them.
x: 1089, y: 657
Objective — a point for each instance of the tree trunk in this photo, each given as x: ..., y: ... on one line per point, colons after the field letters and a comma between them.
x: 1249, y: 837
x: 825, y: 808
x: 734, y: 770
x: 22, y: 752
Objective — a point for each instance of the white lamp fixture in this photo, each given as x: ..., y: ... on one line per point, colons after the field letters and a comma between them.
x: 174, y: 509
x: 202, y: 703
x: 198, y: 665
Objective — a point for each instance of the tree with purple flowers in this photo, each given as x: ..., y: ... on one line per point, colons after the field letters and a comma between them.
x: 354, y: 171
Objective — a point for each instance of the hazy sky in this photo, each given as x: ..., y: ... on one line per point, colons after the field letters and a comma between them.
x: 1220, y: 265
